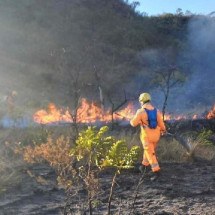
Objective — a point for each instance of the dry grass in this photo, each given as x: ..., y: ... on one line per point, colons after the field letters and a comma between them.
x: 168, y: 149
x: 10, y: 164
x: 9, y: 170
x: 9, y: 176
x: 171, y: 150
x: 201, y: 150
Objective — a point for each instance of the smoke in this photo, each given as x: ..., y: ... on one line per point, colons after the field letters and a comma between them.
x: 26, y: 43
x: 196, y: 62
x: 31, y: 32
x: 198, y: 91
x: 19, y: 42
x: 152, y: 63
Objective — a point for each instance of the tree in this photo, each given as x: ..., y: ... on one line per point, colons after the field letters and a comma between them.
x: 165, y: 72
x: 166, y: 80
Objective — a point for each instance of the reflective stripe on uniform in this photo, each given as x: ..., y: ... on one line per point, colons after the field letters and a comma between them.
x: 145, y: 144
x: 155, y: 167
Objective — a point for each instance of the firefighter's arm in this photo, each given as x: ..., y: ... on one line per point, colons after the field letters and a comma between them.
x: 136, y: 120
x: 161, y: 123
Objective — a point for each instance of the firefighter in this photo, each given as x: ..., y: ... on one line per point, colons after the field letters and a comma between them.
x: 149, y: 136
x: 10, y: 99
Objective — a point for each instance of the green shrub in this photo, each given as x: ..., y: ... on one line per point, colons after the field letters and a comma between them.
x: 104, y: 150
x: 204, y: 137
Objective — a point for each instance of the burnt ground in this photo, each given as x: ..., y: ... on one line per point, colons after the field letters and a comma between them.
x: 34, y: 191
x: 183, y: 188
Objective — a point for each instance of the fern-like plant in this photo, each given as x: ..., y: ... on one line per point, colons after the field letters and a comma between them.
x: 102, y: 150
x: 93, y: 148
x: 204, y: 137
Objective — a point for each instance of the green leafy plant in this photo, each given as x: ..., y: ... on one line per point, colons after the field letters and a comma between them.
x: 103, y: 151
x: 204, y: 137
x: 120, y: 156
x: 94, y: 149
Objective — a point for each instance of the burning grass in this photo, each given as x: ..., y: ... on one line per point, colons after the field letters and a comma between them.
x: 91, y: 112
x: 88, y: 112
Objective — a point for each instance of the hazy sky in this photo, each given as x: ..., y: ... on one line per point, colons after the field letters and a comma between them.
x: 155, y: 7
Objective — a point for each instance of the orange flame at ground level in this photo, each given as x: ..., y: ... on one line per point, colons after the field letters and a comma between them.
x: 90, y: 112
x: 86, y: 113
x: 51, y: 115
x: 180, y: 117
x: 211, y: 114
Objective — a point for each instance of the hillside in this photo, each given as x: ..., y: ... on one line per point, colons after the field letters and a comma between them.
x: 57, y: 52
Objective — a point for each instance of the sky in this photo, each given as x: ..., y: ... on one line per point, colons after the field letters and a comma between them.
x: 157, y: 7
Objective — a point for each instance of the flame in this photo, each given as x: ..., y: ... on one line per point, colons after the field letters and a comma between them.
x: 167, y: 117
x: 125, y: 114
x: 180, y: 117
x: 211, y: 114
x: 52, y: 115
x: 174, y: 117
x: 195, y: 116
x: 88, y: 112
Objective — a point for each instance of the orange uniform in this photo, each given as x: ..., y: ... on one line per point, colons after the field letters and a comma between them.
x: 10, y: 103
x: 149, y: 137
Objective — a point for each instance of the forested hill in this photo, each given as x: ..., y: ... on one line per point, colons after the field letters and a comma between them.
x: 60, y: 51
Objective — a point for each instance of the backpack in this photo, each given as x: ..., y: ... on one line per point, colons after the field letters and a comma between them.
x: 152, y: 118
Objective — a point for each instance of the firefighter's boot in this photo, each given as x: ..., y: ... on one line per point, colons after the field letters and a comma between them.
x: 155, y: 176
x: 144, y: 169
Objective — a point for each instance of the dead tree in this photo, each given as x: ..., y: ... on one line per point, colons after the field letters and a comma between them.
x: 100, y: 89
x: 166, y: 80
x: 114, y: 108
x: 68, y: 71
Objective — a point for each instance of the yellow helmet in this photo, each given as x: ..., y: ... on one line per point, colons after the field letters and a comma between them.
x: 144, y: 97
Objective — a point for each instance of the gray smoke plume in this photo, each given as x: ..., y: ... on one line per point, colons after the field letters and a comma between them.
x: 31, y: 33
x: 22, y: 43
x: 200, y: 87
x: 197, y: 63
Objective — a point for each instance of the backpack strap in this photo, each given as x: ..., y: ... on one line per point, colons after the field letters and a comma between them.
x: 142, y: 123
